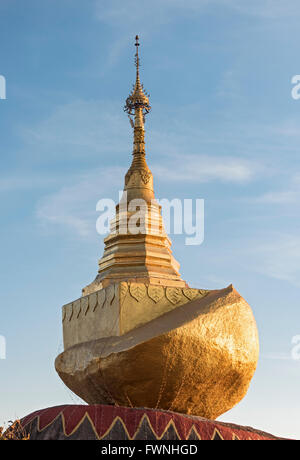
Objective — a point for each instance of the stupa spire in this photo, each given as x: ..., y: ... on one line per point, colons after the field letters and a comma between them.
x: 137, y: 106
x: 144, y: 254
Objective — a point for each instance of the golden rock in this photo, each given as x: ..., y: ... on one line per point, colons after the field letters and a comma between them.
x: 198, y: 358
x: 140, y: 336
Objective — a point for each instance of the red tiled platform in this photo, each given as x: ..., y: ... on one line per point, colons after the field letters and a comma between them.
x: 72, y: 422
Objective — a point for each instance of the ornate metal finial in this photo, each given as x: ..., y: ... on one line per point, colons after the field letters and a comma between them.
x: 137, y: 59
x: 138, y: 98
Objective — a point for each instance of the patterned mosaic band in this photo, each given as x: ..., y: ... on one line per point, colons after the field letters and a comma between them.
x: 81, y: 422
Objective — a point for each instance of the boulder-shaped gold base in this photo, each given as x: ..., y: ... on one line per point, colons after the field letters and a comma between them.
x: 197, y: 359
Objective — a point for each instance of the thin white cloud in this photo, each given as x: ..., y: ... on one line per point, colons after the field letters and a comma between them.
x: 134, y: 13
x: 277, y: 356
x: 79, y: 128
x: 206, y: 168
x: 73, y: 208
x: 229, y: 85
x: 142, y: 12
x: 269, y: 9
x: 24, y: 181
x: 85, y: 129
x: 276, y: 255
x: 289, y: 195
x: 280, y: 197
x: 289, y: 128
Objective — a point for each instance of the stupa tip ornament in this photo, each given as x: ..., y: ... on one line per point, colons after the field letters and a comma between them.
x: 140, y: 336
x: 138, y: 98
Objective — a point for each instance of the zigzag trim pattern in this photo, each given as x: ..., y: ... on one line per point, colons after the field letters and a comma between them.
x: 87, y: 416
x: 201, y: 428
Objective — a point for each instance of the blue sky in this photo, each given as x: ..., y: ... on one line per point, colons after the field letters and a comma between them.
x: 223, y: 127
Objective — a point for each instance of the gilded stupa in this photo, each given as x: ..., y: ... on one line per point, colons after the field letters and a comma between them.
x: 139, y: 336
x: 144, y: 257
